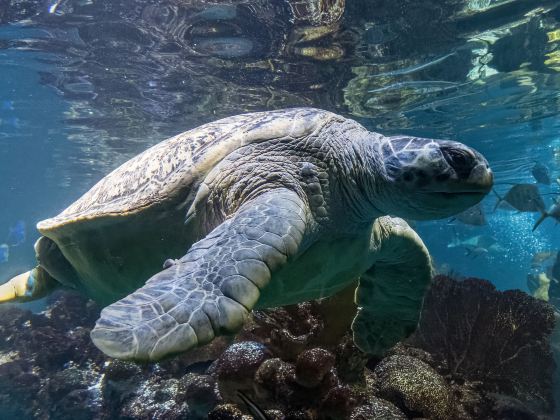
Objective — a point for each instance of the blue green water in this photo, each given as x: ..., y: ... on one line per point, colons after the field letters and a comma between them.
x: 85, y: 85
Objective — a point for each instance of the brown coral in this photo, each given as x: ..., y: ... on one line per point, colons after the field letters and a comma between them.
x: 499, y: 339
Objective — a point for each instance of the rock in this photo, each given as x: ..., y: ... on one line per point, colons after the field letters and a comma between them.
x: 377, y: 409
x: 414, y: 386
x: 350, y: 361
x: 154, y: 398
x: 289, y: 329
x: 338, y: 404
x: 274, y: 381
x: 78, y: 404
x: 312, y: 366
x: 12, y: 319
x: 289, y: 368
x: 235, y: 369
x: 200, y: 393
x: 63, y: 382
x: 226, y: 412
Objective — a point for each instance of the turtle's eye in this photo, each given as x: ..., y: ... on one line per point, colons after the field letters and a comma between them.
x: 462, y: 161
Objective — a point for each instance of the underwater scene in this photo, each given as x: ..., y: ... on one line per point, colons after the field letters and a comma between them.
x: 280, y: 209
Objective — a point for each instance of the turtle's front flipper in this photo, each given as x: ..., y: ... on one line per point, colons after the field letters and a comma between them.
x: 390, y: 294
x: 212, y: 288
x: 31, y: 285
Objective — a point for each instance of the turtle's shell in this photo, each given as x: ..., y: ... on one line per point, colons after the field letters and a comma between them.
x: 117, y: 235
x: 176, y: 164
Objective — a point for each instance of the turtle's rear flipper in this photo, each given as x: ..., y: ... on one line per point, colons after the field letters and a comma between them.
x: 390, y: 294
x: 28, y: 286
x: 212, y: 288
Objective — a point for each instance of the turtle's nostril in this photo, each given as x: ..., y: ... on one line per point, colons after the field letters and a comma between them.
x: 461, y: 160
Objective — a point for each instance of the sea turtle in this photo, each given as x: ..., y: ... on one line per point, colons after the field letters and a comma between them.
x: 255, y: 210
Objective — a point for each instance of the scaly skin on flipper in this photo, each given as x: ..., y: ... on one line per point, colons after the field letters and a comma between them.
x: 390, y: 294
x: 210, y: 290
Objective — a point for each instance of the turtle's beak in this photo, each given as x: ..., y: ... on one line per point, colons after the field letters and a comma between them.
x: 481, y: 178
x: 472, y: 171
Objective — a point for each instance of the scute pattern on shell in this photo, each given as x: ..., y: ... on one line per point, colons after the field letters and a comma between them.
x: 178, y: 162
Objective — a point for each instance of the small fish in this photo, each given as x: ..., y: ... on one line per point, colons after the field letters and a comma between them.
x: 458, y: 243
x: 476, y: 251
x: 486, y: 241
x: 253, y: 408
x: 412, y: 69
x: 483, y: 241
x: 16, y: 234
x: 4, y: 253
x: 553, y: 211
x: 540, y: 257
x: 522, y: 197
x: 540, y: 173
x: 471, y: 216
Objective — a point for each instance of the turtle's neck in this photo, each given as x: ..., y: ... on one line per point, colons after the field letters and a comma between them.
x: 362, y: 184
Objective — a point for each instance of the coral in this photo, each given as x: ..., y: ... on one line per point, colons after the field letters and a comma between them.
x: 289, y: 330
x: 378, y: 409
x: 274, y: 381
x: 50, y: 358
x: 339, y: 403
x: 490, y: 359
x: 199, y: 392
x: 418, y: 389
x: 235, y: 369
x: 500, y: 339
x: 226, y: 412
x: 350, y: 361
x: 312, y: 366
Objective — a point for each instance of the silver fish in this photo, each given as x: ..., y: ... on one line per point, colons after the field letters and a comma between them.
x: 540, y: 173
x: 540, y: 257
x: 478, y: 241
x: 472, y: 216
x: 476, y: 251
x: 522, y: 197
x: 553, y: 211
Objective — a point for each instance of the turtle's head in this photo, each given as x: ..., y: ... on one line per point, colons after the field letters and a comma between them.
x: 429, y: 179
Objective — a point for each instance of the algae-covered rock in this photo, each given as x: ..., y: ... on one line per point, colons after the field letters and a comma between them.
x: 312, y: 366
x: 235, y: 369
x: 292, y: 377
x: 415, y: 386
x: 226, y: 412
x: 199, y: 392
x: 377, y: 409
